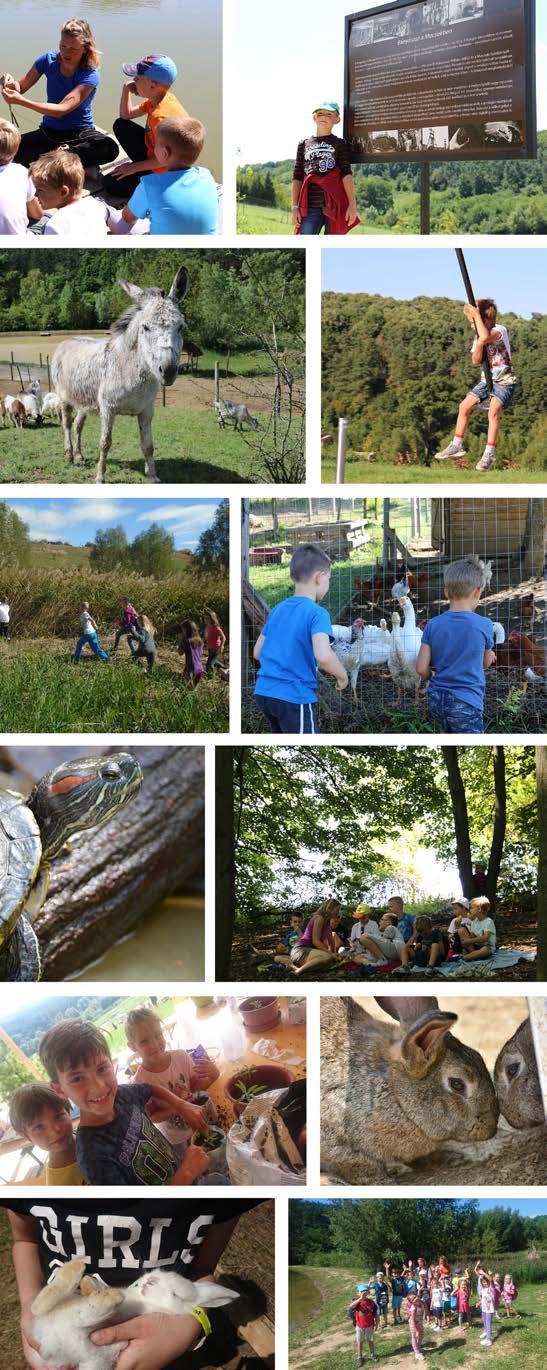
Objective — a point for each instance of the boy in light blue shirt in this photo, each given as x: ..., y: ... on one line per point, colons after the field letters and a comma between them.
x: 182, y: 198
x: 295, y: 640
x: 457, y: 648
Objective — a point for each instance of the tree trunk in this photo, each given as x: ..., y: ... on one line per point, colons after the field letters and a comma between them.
x: 541, y: 779
x: 461, y: 819
x: 114, y: 874
x: 225, y: 893
x: 500, y: 818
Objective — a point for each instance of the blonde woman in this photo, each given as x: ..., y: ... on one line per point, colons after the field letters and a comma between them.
x: 72, y: 79
x: 319, y: 943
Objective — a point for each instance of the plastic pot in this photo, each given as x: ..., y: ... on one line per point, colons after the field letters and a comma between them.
x: 217, y: 1156
x: 273, y: 1077
x: 265, y: 1016
x: 201, y: 1098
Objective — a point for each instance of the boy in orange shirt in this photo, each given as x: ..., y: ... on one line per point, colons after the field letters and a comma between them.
x: 151, y: 79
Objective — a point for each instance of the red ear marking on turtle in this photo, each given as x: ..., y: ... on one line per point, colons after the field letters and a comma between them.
x: 69, y: 783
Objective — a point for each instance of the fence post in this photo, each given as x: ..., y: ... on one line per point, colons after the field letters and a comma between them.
x: 163, y: 396
x: 11, y: 366
x: 245, y: 569
x: 341, y: 451
x: 217, y: 383
x: 48, y: 372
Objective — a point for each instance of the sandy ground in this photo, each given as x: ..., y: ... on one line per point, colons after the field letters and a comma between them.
x: 198, y: 392
x: 484, y: 1023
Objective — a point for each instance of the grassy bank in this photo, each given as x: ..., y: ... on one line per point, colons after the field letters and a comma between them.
x: 328, y: 1333
x: 43, y: 691
x: 189, y: 447
x: 50, y: 601
x: 440, y: 473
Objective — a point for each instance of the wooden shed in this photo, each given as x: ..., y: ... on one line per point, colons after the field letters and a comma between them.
x: 498, y: 529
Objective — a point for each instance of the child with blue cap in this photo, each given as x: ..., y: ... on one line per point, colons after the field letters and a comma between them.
x: 151, y: 79
x: 323, y: 189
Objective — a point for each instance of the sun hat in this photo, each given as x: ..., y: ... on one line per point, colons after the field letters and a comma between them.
x: 361, y: 1287
x: 157, y: 67
x: 362, y: 908
x: 462, y: 901
x: 330, y: 107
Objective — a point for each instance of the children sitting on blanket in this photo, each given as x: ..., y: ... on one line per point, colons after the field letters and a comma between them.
x: 479, y: 943
x: 385, y: 945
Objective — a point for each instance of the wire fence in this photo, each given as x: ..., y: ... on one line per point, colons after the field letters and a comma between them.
x: 375, y: 544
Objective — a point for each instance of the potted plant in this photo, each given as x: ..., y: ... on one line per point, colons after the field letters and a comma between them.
x: 260, y: 1012
x: 202, y: 1099
x: 251, y: 1081
x: 213, y: 1141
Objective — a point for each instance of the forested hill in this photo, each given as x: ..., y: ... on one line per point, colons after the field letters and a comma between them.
x: 397, y: 369
x: 503, y: 196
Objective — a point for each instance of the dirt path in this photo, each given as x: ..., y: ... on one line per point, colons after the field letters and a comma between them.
x: 396, y: 1342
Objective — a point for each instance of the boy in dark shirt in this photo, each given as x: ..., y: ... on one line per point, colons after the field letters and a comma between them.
x: 323, y: 189
x: 116, y: 1142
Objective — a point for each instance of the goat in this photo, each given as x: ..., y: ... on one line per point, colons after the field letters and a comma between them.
x: 51, y: 405
x: 238, y: 413
x: 17, y: 411
x: 122, y: 373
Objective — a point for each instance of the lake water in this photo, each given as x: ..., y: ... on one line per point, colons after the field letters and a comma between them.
x: 304, y: 1298
x: 190, y: 31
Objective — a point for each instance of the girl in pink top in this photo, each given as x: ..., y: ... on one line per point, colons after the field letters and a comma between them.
x: 144, y: 1033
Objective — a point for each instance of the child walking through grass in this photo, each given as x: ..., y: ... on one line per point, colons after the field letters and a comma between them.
x: 89, y: 636
x: 190, y: 647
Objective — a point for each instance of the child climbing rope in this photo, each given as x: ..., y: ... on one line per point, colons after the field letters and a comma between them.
x: 495, y: 339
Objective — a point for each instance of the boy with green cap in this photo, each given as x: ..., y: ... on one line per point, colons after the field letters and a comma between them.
x: 323, y: 189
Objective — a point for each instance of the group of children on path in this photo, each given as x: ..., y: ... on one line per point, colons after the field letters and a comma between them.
x: 434, y: 1297
x: 456, y: 649
x: 392, y: 937
x: 137, y: 1133
x: 139, y: 632
x: 42, y: 173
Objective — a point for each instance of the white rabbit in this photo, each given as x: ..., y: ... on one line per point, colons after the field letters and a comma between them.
x: 73, y: 1305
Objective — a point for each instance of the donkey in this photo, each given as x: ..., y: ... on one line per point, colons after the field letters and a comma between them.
x: 122, y: 373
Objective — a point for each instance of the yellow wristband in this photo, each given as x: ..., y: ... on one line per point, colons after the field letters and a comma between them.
x: 203, y: 1320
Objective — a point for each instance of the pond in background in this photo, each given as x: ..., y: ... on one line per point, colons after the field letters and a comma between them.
x: 304, y: 1297
x: 126, y: 30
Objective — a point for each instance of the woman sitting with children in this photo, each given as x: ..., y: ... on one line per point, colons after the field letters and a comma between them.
x: 72, y: 80
x: 319, y: 944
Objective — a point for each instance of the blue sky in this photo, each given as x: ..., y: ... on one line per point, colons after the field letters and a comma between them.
x: 514, y: 276
x: 530, y: 1208
x: 290, y: 57
x: 77, y: 520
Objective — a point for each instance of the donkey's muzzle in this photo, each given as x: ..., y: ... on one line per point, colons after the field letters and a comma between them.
x: 168, y: 374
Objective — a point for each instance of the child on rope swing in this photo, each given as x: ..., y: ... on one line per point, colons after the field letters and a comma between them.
x: 495, y: 339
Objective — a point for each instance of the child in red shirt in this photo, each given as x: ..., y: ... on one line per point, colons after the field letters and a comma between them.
x: 366, y: 1319
x: 215, y: 640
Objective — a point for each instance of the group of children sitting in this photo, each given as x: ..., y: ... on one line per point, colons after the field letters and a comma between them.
x: 139, y: 632
x: 456, y: 649
x: 181, y: 197
x: 434, y: 1297
x: 392, y: 938
x: 137, y: 1133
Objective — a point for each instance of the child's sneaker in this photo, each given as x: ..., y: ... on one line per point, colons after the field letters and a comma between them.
x: 453, y: 450
x: 487, y: 460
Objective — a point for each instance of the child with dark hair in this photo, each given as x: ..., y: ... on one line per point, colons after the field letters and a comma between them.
x: 492, y: 340
x: 127, y: 622
x: 191, y: 648
x: 38, y: 1113
x: 294, y: 641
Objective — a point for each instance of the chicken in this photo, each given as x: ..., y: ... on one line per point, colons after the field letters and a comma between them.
x: 523, y: 655
x: 362, y: 645
x: 405, y: 643
x: 409, y: 582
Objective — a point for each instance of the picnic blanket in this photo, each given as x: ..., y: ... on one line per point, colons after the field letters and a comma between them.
x: 501, y: 960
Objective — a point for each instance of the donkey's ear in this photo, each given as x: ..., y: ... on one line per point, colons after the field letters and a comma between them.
x: 133, y: 290
x: 424, y: 1042
x: 180, y: 285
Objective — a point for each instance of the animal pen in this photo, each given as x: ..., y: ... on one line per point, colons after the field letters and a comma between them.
x: 378, y: 545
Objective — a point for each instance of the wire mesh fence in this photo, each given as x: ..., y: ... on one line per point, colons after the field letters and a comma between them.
x: 376, y: 545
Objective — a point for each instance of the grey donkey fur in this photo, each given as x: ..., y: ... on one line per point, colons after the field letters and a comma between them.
x: 516, y: 1078
x: 122, y: 373
x: 391, y: 1094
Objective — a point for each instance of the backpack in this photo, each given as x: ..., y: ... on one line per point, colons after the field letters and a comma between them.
x: 351, y: 1312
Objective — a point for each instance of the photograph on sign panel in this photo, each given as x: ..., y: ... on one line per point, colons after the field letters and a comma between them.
x: 433, y: 138
x: 435, y: 13
x: 497, y: 134
x: 410, y: 139
x: 459, y: 10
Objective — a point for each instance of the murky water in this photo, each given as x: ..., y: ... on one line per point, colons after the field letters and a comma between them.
x: 304, y: 1298
x: 190, y: 31
x: 167, y: 944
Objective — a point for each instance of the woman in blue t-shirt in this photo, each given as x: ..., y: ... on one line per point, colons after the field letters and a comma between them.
x: 72, y: 79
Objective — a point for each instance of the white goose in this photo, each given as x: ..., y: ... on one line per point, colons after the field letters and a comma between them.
x: 361, y: 645
x: 404, y: 644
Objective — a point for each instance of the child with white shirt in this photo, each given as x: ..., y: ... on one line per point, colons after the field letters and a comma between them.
x: 59, y: 181
x: 18, y: 202
x: 479, y: 943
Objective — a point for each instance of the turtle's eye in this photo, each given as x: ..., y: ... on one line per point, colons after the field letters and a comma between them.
x: 111, y: 770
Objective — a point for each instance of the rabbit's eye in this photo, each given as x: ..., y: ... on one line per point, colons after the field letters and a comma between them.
x: 457, y: 1086
x: 512, y: 1069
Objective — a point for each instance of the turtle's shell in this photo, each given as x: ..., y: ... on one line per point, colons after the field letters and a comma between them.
x: 20, y: 856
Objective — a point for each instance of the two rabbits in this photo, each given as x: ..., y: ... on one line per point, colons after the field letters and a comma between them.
x: 393, y: 1095
x: 73, y: 1305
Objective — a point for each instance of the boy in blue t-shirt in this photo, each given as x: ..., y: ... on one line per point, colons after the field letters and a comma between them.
x: 457, y: 648
x: 182, y: 198
x: 295, y: 640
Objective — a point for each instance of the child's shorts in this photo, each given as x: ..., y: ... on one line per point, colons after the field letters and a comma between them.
x: 284, y: 717
x: 363, y: 1334
x: 396, y: 1300
x: 503, y: 393
x: 455, y: 715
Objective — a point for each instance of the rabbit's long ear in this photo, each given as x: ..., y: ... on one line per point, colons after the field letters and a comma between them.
x: 213, y: 1295
x: 424, y: 1042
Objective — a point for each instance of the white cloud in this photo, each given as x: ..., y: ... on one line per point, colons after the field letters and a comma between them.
x: 180, y: 513
x: 53, y: 518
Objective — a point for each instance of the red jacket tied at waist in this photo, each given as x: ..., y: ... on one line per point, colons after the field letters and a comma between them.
x: 335, y: 204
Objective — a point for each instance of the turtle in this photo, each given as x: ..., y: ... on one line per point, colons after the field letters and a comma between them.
x: 70, y: 798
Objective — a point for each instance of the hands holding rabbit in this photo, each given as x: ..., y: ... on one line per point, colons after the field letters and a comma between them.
x: 154, y: 1340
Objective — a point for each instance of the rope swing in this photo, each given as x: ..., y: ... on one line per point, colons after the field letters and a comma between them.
x: 484, y: 405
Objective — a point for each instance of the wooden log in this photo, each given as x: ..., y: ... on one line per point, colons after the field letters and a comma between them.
x: 115, y: 874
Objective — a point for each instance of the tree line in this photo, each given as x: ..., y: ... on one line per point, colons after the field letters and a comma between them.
x: 346, y: 1232
x: 398, y: 369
